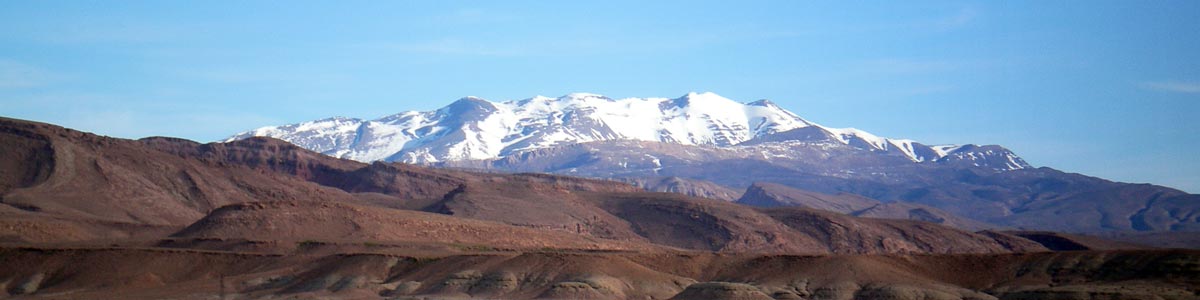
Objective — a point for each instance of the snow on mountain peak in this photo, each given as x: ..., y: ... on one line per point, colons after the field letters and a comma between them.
x: 475, y: 128
x: 579, y: 95
x: 992, y: 156
x: 471, y: 102
x: 763, y: 103
x: 705, y: 100
x: 705, y: 95
x: 943, y: 150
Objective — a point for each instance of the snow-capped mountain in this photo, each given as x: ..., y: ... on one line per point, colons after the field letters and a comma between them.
x: 705, y: 145
x: 472, y: 128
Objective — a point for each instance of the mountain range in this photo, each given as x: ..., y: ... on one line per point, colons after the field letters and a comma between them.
x: 472, y: 128
x: 88, y: 216
x: 702, y: 144
x: 71, y: 186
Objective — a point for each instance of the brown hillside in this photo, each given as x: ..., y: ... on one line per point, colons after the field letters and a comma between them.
x: 100, y: 188
x: 123, y: 181
x: 695, y: 223
x: 767, y: 194
x: 295, y: 221
x: 1073, y: 242
x: 190, y: 274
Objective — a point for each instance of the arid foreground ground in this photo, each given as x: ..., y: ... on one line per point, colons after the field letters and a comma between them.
x: 152, y: 273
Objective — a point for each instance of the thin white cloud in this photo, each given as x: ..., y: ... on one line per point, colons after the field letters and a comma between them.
x: 552, y: 46
x: 106, y: 30
x: 261, y: 75
x: 457, y: 47
x: 905, y: 66
x: 1188, y: 87
x: 926, y: 90
x: 963, y: 17
x: 582, y: 42
x: 468, y: 16
x: 16, y: 75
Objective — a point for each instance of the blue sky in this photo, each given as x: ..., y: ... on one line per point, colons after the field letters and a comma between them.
x: 1104, y: 88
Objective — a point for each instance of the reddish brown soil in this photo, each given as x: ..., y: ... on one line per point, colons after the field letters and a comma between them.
x: 193, y: 274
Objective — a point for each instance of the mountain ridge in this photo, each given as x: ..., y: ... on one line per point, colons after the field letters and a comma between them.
x: 718, y: 147
x: 103, y: 189
x: 472, y: 128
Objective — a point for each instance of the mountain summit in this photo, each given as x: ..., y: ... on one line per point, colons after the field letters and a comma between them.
x: 472, y: 128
